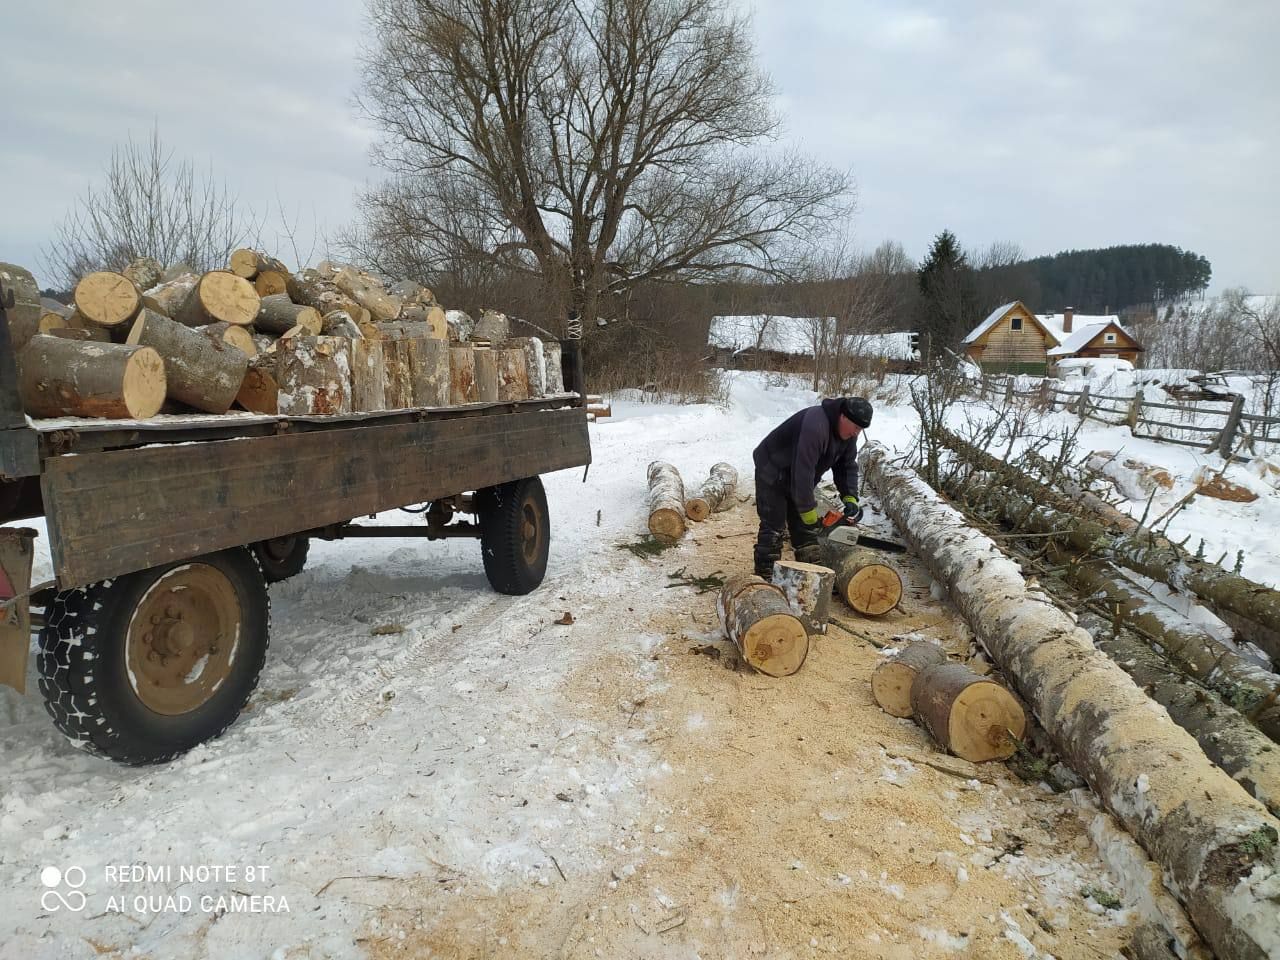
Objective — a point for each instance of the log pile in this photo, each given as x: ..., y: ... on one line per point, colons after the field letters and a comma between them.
x: 257, y: 337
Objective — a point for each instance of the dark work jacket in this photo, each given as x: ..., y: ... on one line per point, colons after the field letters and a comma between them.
x: 802, y: 448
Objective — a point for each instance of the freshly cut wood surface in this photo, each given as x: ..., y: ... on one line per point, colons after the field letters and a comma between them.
x: 201, y: 371
x: 60, y: 378
x: 756, y: 617
x: 271, y: 282
x: 238, y: 337
x: 665, y: 502
x: 249, y: 263
x: 714, y: 494
x: 891, y: 682
x: 808, y: 588
x: 971, y: 716
x: 863, y: 579
x: 259, y: 393
x: 429, y: 314
x: 107, y: 299
x: 219, y: 296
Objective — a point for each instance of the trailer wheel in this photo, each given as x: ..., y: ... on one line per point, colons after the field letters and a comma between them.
x: 282, y: 557
x: 515, y: 535
x: 144, y: 667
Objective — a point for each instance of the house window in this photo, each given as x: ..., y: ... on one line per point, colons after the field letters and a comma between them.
x: 1109, y: 338
x: 1015, y: 323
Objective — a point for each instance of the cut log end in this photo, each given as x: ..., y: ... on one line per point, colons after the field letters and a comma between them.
x: 891, y: 682
x: 666, y: 525
x: 107, y: 299
x: 143, y: 386
x: 697, y: 509
x: 971, y: 716
x: 776, y: 645
x: 873, y: 590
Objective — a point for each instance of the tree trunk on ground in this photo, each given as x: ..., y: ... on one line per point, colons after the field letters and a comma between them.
x: 513, y: 374
x: 808, y: 589
x: 1215, y: 842
x: 145, y: 273
x: 76, y: 378
x: 107, y: 299
x: 219, y: 296
x: 555, y: 372
x: 249, y: 263
x: 973, y: 717
x: 238, y: 337
x: 428, y: 371
x: 462, y: 376
x: 201, y: 371
x: 277, y: 313
x: 368, y: 376
x: 486, y: 375
x: 168, y: 297
x: 666, y: 502
x: 1227, y: 738
x: 535, y: 362
x: 314, y: 374
x: 755, y: 616
x: 715, y: 494
x: 891, y: 682
x: 863, y: 580
x: 260, y: 392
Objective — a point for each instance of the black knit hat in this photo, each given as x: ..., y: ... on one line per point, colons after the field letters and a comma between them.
x: 858, y: 410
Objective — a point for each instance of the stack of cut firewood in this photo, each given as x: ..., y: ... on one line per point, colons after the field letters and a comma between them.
x: 332, y: 339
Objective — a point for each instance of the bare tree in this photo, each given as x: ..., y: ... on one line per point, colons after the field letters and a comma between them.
x: 151, y: 205
x: 590, y: 145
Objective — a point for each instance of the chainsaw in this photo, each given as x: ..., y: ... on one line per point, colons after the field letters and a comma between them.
x: 836, y: 529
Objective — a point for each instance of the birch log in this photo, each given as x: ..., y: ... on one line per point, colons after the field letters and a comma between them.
x: 891, y: 681
x: 555, y: 371
x: 79, y: 378
x: 260, y: 392
x: 107, y: 299
x: 201, y: 371
x: 428, y: 371
x: 970, y: 716
x: 808, y: 588
x: 314, y: 374
x: 24, y: 315
x: 665, y: 502
x: 486, y: 375
x: 368, y: 376
x: 462, y: 375
x: 863, y: 580
x: 715, y: 493
x: 535, y: 362
x: 277, y: 313
x: 513, y: 374
x: 219, y: 296
x: 1216, y: 844
x: 755, y: 616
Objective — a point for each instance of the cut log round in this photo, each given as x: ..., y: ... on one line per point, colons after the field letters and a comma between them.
x: 428, y: 371
x: 486, y: 375
x: 24, y: 315
x: 755, y: 616
x: 513, y: 374
x: 398, y: 362
x: 201, y: 371
x: 107, y: 299
x: 238, y: 337
x: 665, y: 502
x: 973, y: 717
x: 715, y: 493
x: 808, y: 588
x: 891, y: 682
x: 219, y: 297
x: 427, y: 313
x: 271, y: 283
x: 368, y: 375
x: 168, y: 296
x: 535, y: 362
x: 314, y: 374
x: 277, y: 313
x: 249, y: 263
x: 462, y: 375
x: 60, y: 377
x: 145, y: 272
x: 260, y: 392
x: 555, y: 371
x: 863, y: 580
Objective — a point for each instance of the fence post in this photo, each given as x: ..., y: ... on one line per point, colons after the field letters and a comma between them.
x: 1008, y: 392
x: 1082, y: 405
x: 1233, y: 424
x: 1046, y: 395
x: 1135, y: 411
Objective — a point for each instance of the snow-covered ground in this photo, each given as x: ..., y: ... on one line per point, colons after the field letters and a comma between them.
x: 430, y: 769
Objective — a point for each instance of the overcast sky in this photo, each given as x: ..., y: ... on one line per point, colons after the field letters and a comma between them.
x: 1054, y: 126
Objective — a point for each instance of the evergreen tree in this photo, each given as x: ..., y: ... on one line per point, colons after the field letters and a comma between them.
x: 949, y: 298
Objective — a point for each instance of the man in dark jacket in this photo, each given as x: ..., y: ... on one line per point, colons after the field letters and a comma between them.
x: 789, y: 463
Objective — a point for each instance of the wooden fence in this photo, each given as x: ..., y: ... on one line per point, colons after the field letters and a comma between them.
x: 1219, y: 426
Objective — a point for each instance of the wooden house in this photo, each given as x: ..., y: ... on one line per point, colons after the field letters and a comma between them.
x: 1015, y: 340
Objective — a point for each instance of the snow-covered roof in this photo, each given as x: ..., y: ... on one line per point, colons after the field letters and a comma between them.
x: 992, y: 319
x: 790, y: 335
x: 1084, y: 327
x: 887, y: 346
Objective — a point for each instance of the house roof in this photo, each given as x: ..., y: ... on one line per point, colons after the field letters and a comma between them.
x: 887, y: 346
x: 1084, y: 327
x: 790, y: 335
x: 992, y: 319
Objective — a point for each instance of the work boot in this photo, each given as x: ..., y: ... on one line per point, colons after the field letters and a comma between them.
x: 765, y: 556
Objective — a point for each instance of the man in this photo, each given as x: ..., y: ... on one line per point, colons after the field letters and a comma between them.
x: 789, y: 463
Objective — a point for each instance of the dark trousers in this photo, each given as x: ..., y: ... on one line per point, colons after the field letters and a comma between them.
x: 778, y: 515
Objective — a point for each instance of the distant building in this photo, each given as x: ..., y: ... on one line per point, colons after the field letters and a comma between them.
x: 787, y: 343
x: 1015, y: 340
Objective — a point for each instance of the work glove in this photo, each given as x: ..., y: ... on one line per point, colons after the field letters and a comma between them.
x: 852, y: 512
x: 809, y: 517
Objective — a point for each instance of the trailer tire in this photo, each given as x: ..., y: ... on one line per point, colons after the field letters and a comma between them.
x: 111, y: 692
x: 282, y: 557
x: 515, y: 535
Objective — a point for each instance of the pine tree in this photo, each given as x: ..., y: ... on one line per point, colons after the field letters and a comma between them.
x: 948, y: 293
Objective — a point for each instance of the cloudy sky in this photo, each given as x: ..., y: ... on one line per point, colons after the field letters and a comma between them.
x: 1049, y: 125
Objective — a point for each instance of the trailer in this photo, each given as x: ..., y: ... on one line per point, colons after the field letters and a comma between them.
x: 165, y: 533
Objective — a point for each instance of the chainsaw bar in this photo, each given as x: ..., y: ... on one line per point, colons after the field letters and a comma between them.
x: 852, y: 538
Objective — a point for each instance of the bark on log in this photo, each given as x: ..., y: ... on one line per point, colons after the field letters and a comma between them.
x: 24, y: 315
x: 201, y: 371
x: 535, y: 361
x: 460, y: 324
x: 339, y: 323
x: 167, y: 297
x: 513, y: 374
x: 486, y: 375
x: 238, y: 337
x: 493, y: 327
x: 249, y: 263
x: 314, y: 374
x: 277, y: 313
x: 75, y: 378
x: 176, y: 270
x: 145, y: 272
x: 714, y: 494
x: 404, y: 330
x: 368, y: 376
x: 1216, y: 843
x: 462, y: 375
x: 891, y: 681
x: 808, y: 588
x: 970, y: 716
x: 428, y: 371
x: 311, y: 288
x: 431, y: 315
x: 555, y: 372
x: 665, y: 502
x: 260, y: 391
x: 107, y: 299
x: 755, y: 616
x: 94, y: 332
x: 219, y: 296
x: 1226, y: 737
x: 365, y: 290
x: 863, y: 580
x: 398, y: 363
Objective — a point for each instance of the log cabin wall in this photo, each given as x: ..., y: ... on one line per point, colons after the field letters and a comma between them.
x: 1013, y: 347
